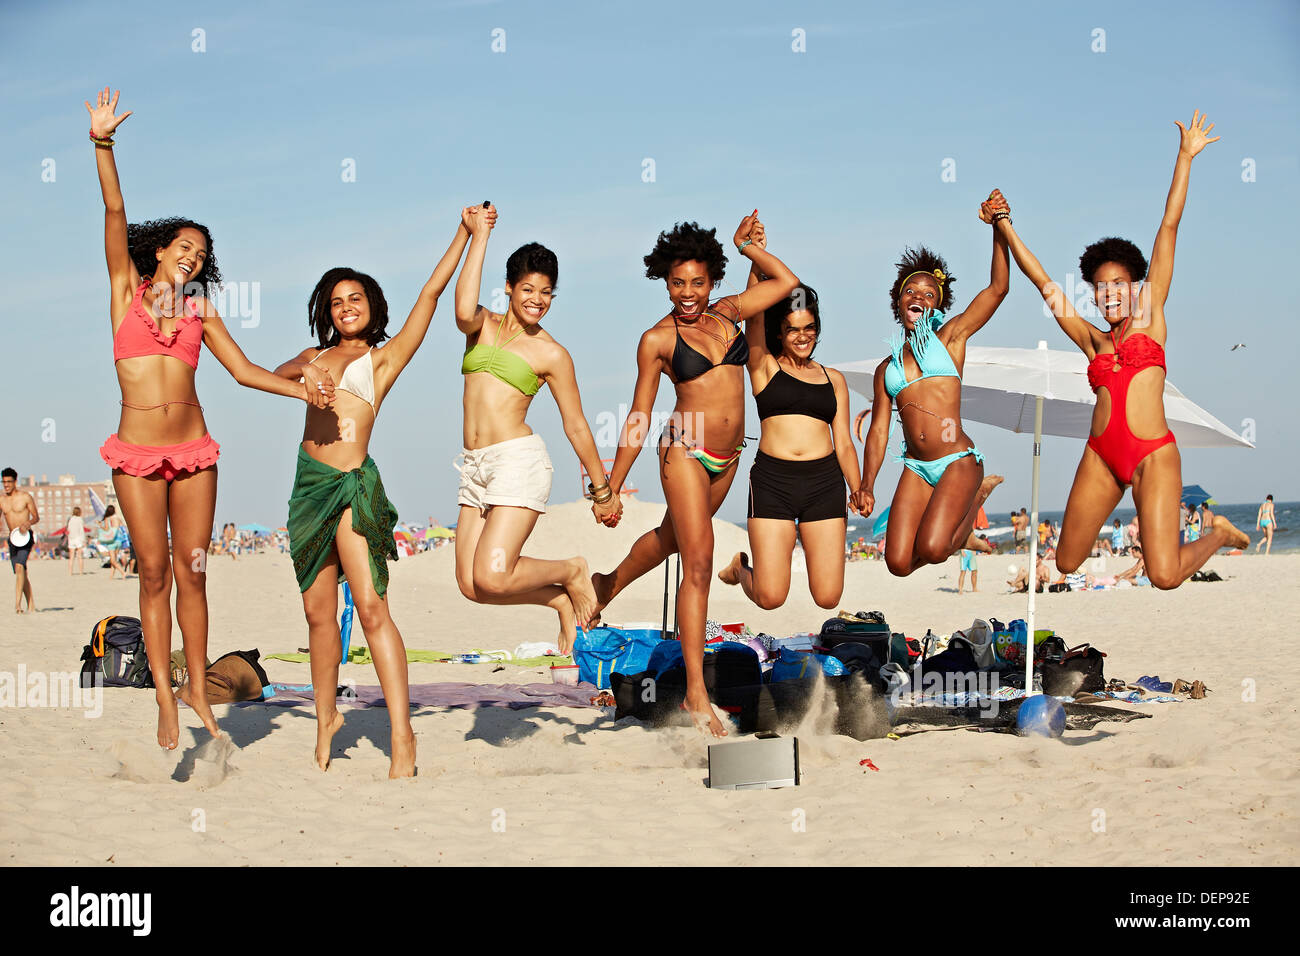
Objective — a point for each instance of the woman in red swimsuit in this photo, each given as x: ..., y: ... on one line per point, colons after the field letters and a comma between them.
x: 163, y: 459
x: 702, y: 349
x: 1131, y: 443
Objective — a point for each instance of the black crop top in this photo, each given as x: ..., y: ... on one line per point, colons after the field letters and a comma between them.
x: 786, y: 395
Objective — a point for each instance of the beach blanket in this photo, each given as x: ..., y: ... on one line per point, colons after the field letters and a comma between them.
x: 513, y: 696
x: 320, y: 496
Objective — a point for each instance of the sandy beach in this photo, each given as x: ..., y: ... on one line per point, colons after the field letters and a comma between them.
x: 1207, y: 782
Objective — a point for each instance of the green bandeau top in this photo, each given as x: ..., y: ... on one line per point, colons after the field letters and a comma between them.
x: 496, y: 360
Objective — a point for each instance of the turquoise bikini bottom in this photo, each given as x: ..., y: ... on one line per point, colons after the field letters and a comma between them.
x: 932, y: 471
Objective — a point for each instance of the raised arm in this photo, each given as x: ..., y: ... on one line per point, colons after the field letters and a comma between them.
x: 635, y: 429
x: 776, y: 280
x: 877, y: 443
x: 218, y: 340
x: 1192, y: 140
x: 398, y: 352
x: 122, y: 275
x: 756, y: 325
x: 982, y: 307
x: 469, y: 314
x: 1081, y: 332
x: 842, y: 432
x: 563, y: 382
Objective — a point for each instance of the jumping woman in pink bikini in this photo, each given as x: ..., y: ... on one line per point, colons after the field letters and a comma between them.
x: 163, y: 459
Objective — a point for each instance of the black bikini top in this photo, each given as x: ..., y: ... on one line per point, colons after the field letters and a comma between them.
x: 688, y: 363
x: 786, y: 395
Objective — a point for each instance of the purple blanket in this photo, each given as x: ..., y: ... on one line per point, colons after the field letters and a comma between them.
x: 514, y: 696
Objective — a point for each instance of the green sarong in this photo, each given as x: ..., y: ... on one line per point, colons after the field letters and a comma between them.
x: 320, y: 495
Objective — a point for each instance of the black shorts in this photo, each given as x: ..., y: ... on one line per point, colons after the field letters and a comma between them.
x: 18, y: 556
x: 797, y: 490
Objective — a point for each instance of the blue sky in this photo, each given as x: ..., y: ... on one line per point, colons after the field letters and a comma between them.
x: 841, y: 147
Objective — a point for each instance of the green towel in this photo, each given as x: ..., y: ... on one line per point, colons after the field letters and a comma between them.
x: 320, y: 495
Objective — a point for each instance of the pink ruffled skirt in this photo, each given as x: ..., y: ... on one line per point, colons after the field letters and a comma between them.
x: 167, y: 461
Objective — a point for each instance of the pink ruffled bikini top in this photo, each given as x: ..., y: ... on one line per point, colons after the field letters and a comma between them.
x: 139, y: 333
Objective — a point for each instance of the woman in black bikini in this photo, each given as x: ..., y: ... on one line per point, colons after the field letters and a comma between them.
x: 700, y: 446
x: 804, y: 456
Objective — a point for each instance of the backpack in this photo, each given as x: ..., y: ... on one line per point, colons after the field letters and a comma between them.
x: 1078, y: 672
x: 116, y: 656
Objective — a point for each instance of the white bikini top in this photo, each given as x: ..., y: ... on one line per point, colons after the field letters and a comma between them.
x: 358, y: 378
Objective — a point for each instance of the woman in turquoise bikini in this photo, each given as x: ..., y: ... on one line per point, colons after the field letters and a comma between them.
x: 1265, y: 521
x: 943, y: 483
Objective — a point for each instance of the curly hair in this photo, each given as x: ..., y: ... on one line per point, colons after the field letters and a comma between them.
x: 920, y: 259
x: 319, y: 321
x: 687, y: 242
x: 530, y: 258
x: 144, y: 239
x: 1113, y: 249
x: 802, y: 299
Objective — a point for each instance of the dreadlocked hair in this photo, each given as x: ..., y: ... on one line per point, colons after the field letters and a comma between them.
x: 321, y: 324
x: 144, y: 239
x: 922, y: 260
x: 1113, y: 249
x: 687, y: 242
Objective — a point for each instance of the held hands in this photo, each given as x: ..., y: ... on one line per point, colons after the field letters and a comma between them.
x: 318, y: 386
x: 749, y: 229
x: 863, y: 501
x: 102, y: 120
x: 478, y: 219
x: 994, y: 204
x: 609, y: 512
x: 1196, y: 137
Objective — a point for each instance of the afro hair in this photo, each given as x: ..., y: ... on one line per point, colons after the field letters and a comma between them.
x: 687, y: 242
x: 1113, y: 249
x: 920, y: 259
x: 144, y: 239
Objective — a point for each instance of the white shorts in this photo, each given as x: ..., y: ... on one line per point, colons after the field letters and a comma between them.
x: 515, y: 473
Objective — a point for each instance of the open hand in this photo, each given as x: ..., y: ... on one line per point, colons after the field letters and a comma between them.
x: 1197, y: 136
x: 102, y: 118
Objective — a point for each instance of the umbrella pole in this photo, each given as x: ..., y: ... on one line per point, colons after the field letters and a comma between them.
x: 1033, y: 542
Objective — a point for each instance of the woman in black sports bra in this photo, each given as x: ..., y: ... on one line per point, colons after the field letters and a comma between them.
x: 805, y: 454
x: 702, y: 350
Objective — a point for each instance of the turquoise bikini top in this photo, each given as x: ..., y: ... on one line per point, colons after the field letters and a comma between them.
x: 930, y: 354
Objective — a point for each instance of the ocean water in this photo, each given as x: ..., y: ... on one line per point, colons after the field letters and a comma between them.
x: 1286, y: 536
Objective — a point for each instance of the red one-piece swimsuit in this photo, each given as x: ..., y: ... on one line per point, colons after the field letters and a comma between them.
x: 1118, y: 447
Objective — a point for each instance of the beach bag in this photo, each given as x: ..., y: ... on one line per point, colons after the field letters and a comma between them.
x: 237, y: 676
x: 601, y: 651
x: 792, y: 665
x: 1079, y: 672
x: 115, y: 656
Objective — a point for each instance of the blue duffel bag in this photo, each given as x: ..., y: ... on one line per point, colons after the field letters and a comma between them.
x: 792, y: 665
x: 602, y: 651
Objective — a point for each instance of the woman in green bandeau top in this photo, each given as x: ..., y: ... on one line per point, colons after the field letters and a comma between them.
x: 505, y: 479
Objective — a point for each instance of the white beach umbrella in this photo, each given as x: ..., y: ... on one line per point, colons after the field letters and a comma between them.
x: 1047, y: 392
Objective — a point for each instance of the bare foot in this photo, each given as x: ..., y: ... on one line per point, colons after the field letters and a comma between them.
x: 403, y: 764
x: 169, y: 724
x: 1233, y: 536
x: 603, y: 585
x: 581, y: 591
x: 731, y: 573
x: 974, y: 543
x: 197, y: 700
x: 702, y: 715
x: 325, y: 730
x: 986, y: 487
x: 568, y: 624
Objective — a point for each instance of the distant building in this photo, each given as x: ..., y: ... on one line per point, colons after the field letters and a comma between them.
x: 55, y: 502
